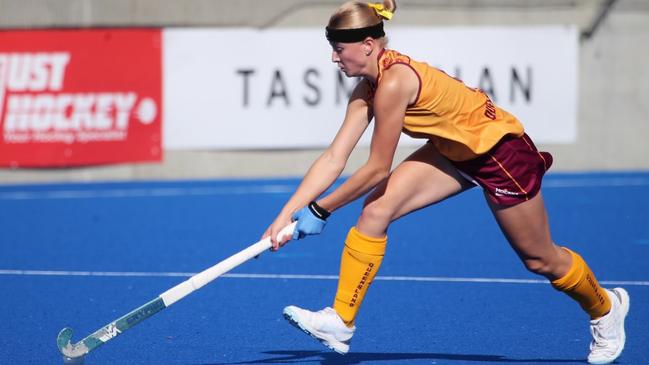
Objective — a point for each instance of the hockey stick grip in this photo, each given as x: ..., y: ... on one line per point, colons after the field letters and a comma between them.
x: 203, y: 278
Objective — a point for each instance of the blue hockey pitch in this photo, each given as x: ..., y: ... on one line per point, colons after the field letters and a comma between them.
x: 450, y: 290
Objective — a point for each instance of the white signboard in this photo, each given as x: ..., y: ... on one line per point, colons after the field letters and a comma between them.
x: 243, y: 88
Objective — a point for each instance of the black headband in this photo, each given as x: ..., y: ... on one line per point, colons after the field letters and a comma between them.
x: 354, y: 35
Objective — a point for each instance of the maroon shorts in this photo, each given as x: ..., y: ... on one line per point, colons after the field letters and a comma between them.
x: 510, y: 172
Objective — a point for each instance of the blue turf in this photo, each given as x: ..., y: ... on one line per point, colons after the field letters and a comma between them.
x: 189, y: 226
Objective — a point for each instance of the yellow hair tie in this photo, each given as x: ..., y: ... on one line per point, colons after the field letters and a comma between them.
x: 381, y: 10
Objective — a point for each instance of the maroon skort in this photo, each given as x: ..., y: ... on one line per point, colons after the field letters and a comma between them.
x: 511, y: 172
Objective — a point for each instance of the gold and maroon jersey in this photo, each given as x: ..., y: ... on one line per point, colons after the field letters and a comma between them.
x: 460, y: 121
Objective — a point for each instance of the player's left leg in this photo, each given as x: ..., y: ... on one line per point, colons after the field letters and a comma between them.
x: 424, y: 178
x: 526, y: 227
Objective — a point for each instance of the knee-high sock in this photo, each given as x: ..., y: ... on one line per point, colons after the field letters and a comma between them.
x: 360, y: 261
x: 581, y: 285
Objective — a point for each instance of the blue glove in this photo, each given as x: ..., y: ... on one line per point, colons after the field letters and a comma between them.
x: 311, y: 220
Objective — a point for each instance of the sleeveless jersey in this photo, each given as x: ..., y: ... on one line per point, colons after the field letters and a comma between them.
x: 461, y: 122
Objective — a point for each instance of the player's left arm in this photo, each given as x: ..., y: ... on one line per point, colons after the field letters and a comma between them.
x: 398, y: 88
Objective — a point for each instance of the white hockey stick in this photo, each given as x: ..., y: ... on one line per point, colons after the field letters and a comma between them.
x: 74, y: 353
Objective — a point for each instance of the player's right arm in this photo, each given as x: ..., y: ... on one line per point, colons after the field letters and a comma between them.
x: 330, y: 164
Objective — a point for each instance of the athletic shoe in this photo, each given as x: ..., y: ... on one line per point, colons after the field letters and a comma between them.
x: 325, y: 326
x: 608, y: 331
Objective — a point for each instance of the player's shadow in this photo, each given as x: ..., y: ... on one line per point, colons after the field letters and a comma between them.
x: 330, y: 358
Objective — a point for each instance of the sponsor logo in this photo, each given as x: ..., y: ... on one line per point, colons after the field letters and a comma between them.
x: 362, y: 284
x: 505, y: 192
x: 593, y: 284
x: 110, y: 331
x: 36, y: 108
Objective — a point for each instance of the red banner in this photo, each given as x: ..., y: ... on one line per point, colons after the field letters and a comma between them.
x: 80, y: 97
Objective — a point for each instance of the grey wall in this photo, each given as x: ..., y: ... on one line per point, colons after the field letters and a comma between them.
x: 613, y: 87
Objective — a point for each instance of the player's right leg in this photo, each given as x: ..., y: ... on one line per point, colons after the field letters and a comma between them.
x: 422, y: 179
x: 526, y: 227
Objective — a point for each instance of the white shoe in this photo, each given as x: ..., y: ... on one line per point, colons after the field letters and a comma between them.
x: 325, y: 326
x: 608, y: 331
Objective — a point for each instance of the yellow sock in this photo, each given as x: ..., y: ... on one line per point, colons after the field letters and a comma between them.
x: 360, y: 261
x: 581, y: 285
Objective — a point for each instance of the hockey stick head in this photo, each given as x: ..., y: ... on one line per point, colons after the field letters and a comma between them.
x: 72, y: 353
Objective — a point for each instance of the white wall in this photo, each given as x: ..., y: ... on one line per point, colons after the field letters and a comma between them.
x: 613, y: 83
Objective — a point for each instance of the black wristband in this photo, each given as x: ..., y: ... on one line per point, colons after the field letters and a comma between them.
x: 319, y: 211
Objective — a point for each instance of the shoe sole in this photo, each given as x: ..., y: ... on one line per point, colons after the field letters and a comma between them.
x: 625, y: 303
x: 325, y: 341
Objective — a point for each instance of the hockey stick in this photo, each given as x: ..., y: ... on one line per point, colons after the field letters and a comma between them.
x: 74, y: 353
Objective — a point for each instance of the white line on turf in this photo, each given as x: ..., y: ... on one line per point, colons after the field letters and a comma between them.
x: 298, y: 277
x: 146, y: 192
x: 550, y: 183
x: 595, y: 182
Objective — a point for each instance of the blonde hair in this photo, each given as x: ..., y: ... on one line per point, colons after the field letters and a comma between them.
x: 356, y: 14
